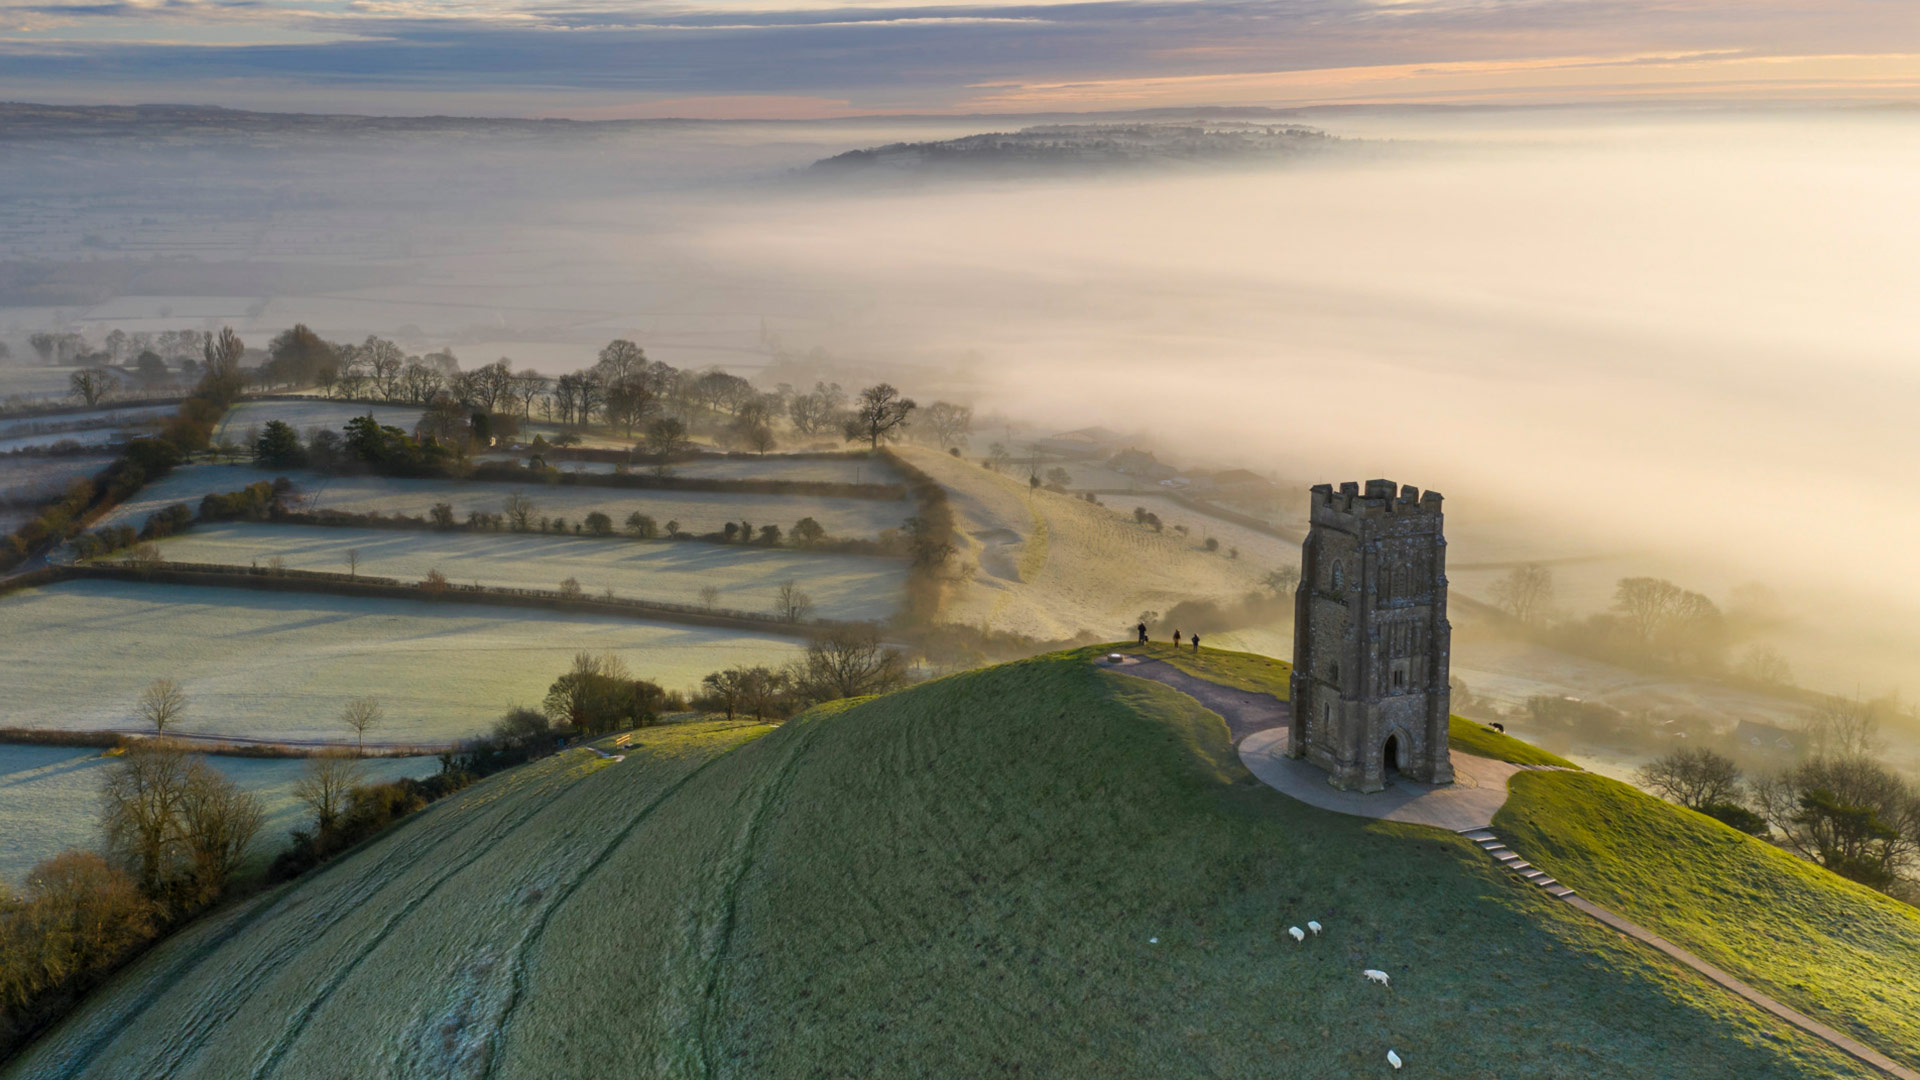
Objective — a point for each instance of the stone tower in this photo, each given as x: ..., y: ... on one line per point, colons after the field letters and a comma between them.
x: 1370, y: 637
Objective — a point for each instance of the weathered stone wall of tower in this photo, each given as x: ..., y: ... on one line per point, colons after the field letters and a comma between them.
x: 1371, y: 638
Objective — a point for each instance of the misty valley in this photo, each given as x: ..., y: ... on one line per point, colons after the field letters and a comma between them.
x: 955, y: 540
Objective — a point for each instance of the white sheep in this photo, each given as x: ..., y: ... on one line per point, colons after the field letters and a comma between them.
x: 1393, y: 1059
x: 1376, y: 975
x: 1298, y: 934
x: 1313, y: 926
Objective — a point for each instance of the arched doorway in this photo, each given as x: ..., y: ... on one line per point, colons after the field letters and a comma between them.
x: 1390, y: 757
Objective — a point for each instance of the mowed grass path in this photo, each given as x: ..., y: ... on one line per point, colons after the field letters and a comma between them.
x: 962, y: 879
x: 50, y: 799
x: 76, y: 655
x: 842, y: 586
x: 1840, y: 952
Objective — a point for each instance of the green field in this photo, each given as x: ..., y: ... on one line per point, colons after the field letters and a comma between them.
x: 1838, y: 951
x: 282, y: 665
x: 49, y: 798
x: 842, y: 586
x: 1038, y: 869
x: 696, y: 511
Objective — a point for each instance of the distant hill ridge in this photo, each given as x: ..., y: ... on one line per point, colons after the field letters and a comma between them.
x: 33, y: 120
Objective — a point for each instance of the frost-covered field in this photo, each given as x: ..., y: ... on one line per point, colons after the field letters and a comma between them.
x: 304, y: 415
x: 49, y: 798
x: 1258, y: 546
x: 31, y: 476
x: 34, y: 381
x: 696, y: 511
x: 842, y: 586
x: 771, y: 467
x: 76, y: 655
x: 90, y: 437
x: 117, y: 417
x: 1051, y: 566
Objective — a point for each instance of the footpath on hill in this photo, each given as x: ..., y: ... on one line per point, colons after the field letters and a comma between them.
x: 1258, y: 722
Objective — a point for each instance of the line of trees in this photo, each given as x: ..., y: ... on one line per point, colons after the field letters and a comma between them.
x: 1839, y: 806
x: 174, y: 832
x: 1651, y: 623
x: 144, y: 459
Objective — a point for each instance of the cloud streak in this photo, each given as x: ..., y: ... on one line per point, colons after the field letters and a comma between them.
x: 954, y: 55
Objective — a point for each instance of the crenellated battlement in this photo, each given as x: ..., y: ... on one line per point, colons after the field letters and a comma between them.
x: 1379, y: 498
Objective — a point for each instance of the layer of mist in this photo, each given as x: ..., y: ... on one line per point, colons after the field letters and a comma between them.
x: 1682, y: 341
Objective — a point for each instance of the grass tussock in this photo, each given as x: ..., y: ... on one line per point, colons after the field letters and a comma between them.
x: 965, y: 878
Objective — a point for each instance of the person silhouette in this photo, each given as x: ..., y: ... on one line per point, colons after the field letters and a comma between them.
x: 1176, y: 639
x: 1196, y: 643
x: 1143, y: 633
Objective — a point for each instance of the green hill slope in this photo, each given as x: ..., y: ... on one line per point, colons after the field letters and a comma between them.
x: 1836, y: 950
x: 962, y: 879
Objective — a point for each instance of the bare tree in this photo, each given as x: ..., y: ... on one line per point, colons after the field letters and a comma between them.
x: 1842, y: 727
x: 1853, y: 816
x: 361, y: 715
x: 1694, y: 777
x: 353, y: 562
x: 666, y: 437
x: 817, y: 411
x: 1281, y: 581
x: 222, y: 354
x: 324, y: 785
x: 1647, y: 603
x: 1525, y: 593
x: 849, y: 662
x: 791, y: 604
x: 519, y: 511
x: 144, y: 557
x: 218, y: 821
x: 140, y: 802
x: 384, y: 362
x: 879, y: 413
x: 90, y: 385
x: 759, y: 438
x: 949, y: 423
x: 709, y: 596
x: 162, y: 703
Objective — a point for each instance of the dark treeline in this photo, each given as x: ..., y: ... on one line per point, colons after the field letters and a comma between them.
x: 143, y: 459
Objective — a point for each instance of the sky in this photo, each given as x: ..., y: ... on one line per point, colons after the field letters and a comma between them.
x: 819, y: 58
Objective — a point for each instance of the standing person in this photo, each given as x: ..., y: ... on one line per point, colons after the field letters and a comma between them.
x: 1176, y: 639
x: 1196, y: 643
x: 1143, y: 633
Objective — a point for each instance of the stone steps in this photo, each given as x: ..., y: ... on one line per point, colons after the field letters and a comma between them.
x: 1506, y: 857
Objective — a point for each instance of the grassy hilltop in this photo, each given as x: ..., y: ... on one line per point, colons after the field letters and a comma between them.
x: 961, y: 879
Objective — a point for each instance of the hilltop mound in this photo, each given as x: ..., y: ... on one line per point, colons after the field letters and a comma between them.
x: 1041, y: 868
x: 1051, y: 148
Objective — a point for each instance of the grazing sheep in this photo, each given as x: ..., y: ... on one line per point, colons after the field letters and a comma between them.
x: 1393, y: 1059
x: 1501, y: 728
x: 1298, y: 934
x: 1376, y: 975
x: 1313, y: 926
